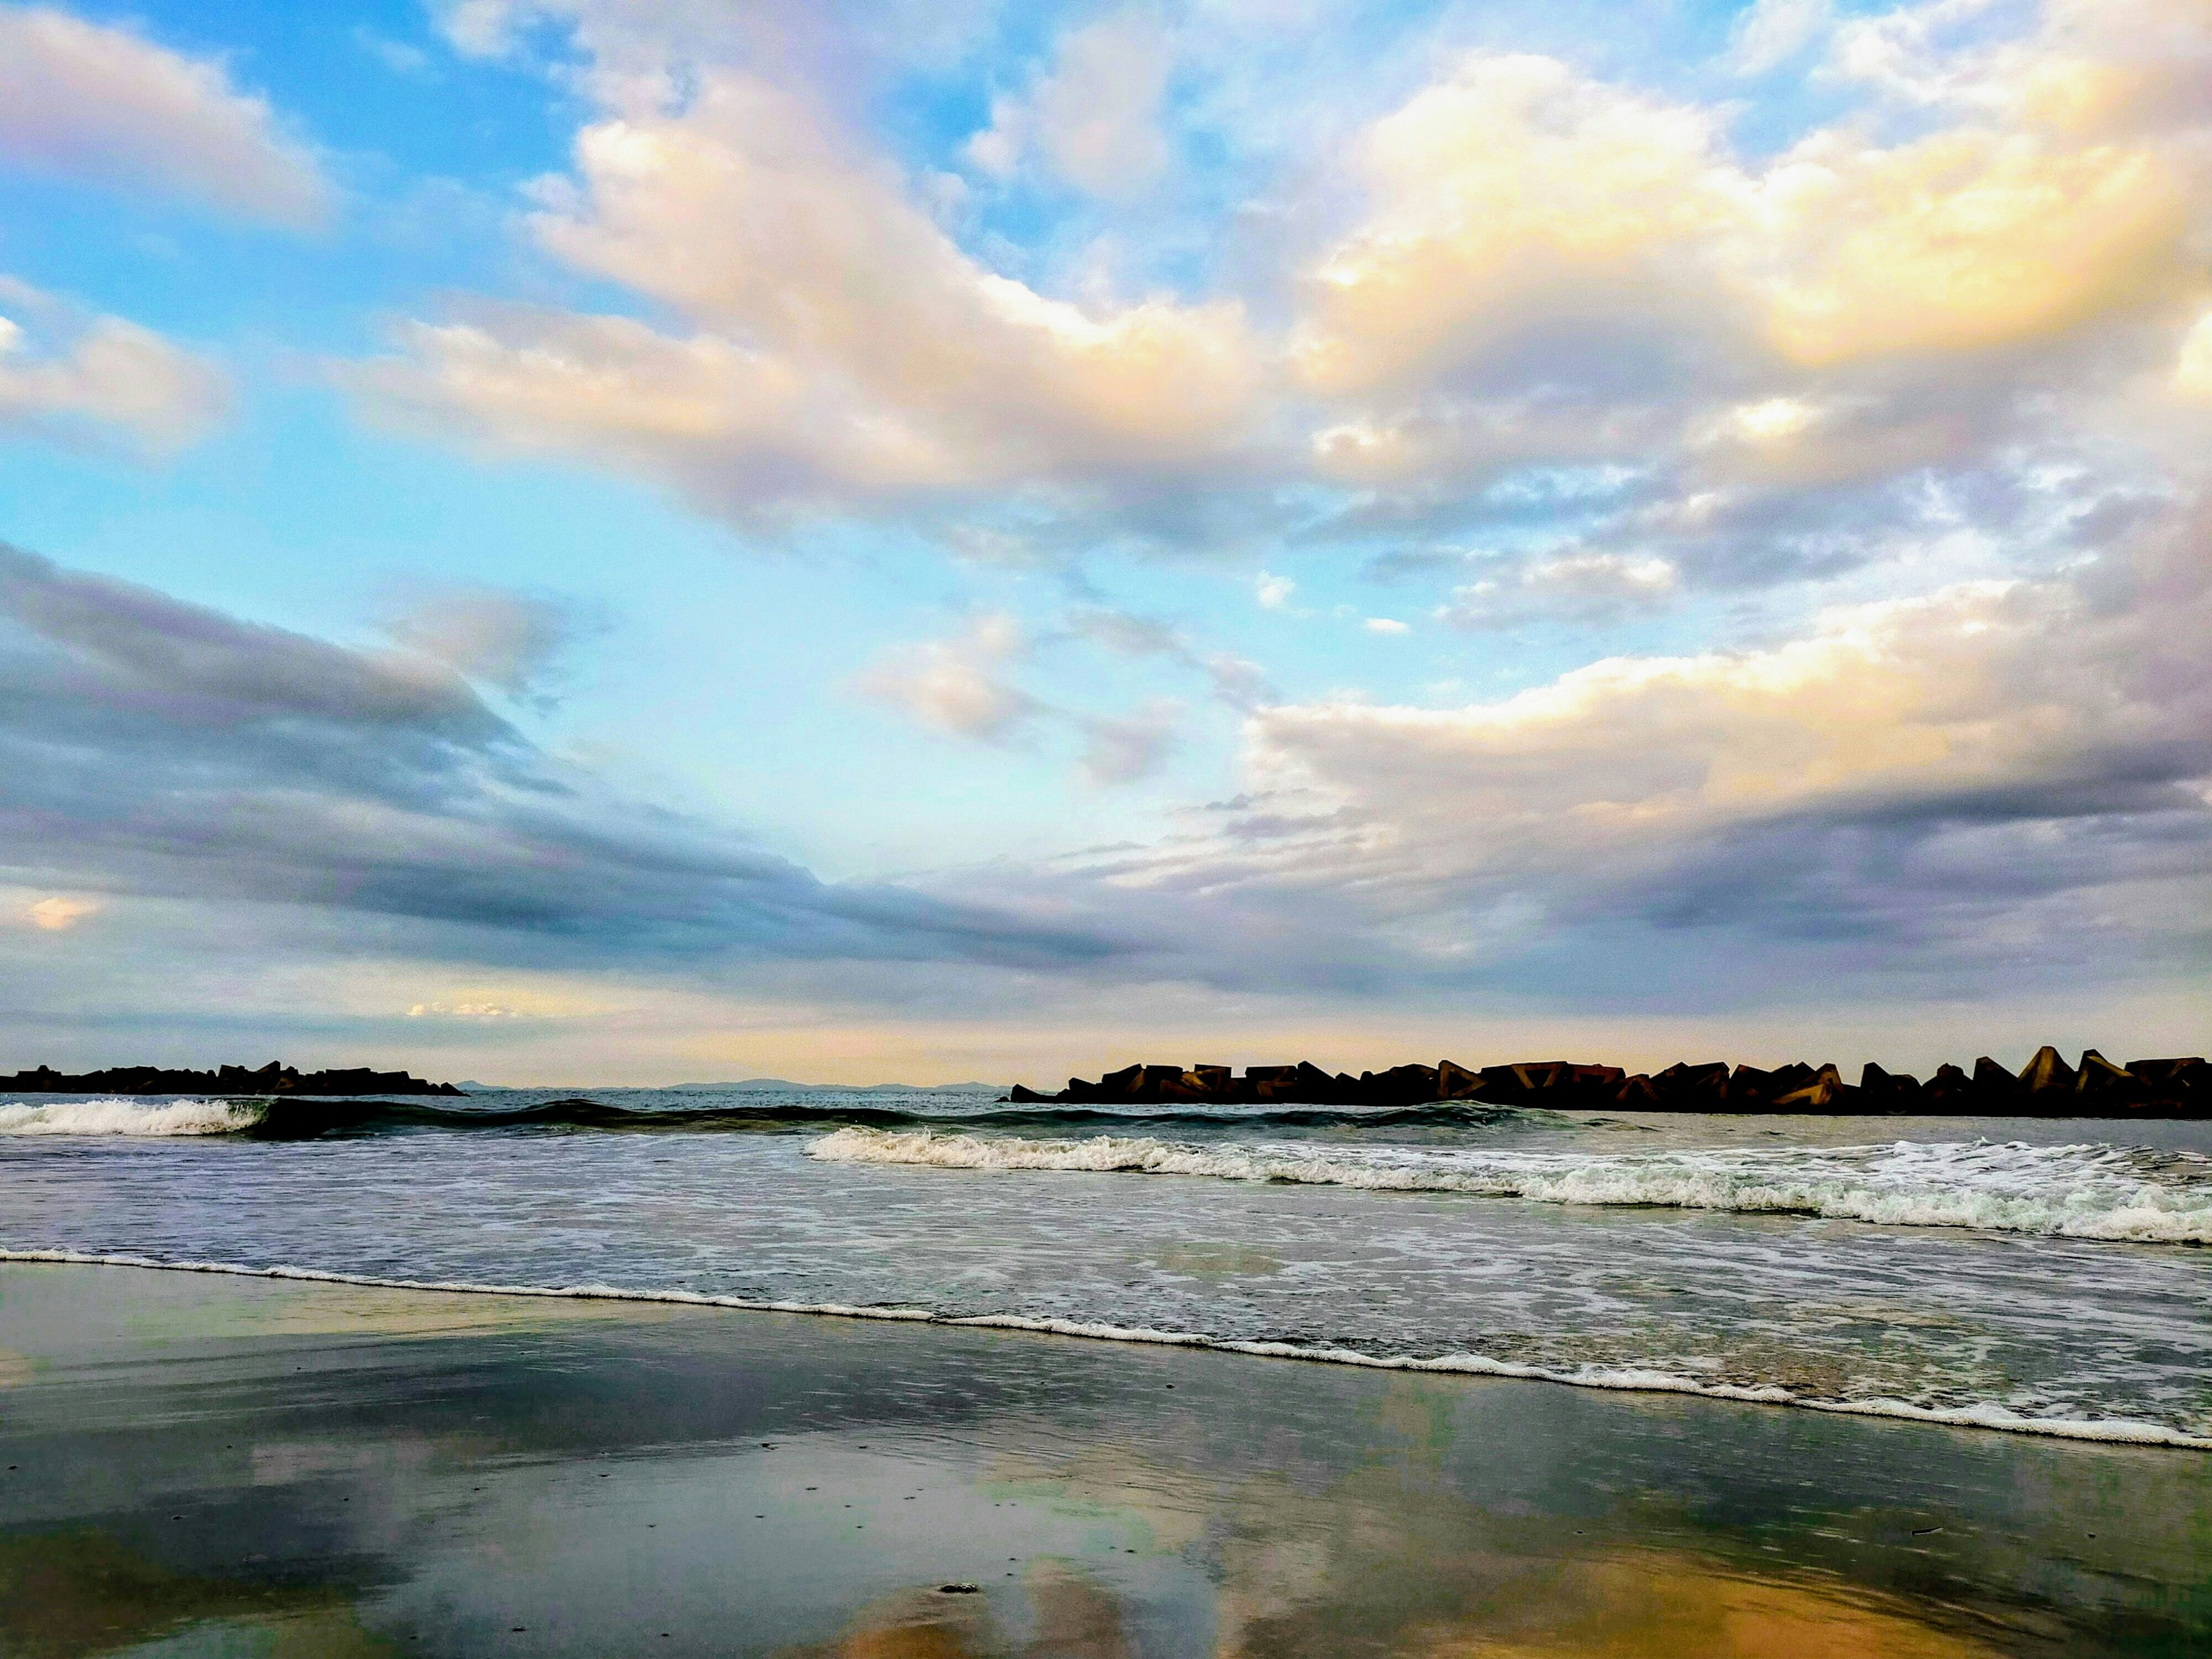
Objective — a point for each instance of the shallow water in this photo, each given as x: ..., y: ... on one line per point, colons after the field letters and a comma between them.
x: 2030, y: 1274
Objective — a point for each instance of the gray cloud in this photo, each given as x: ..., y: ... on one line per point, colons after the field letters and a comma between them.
x: 153, y: 747
x: 512, y: 642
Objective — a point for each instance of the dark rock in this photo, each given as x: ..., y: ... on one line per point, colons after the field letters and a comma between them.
x: 1994, y: 1086
x: 2165, y: 1088
x: 1683, y: 1086
x: 2099, y: 1080
x: 1401, y: 1085
x: 1826, y: 1093
x: 1749, y: 1090
x: 1949, y: 1090
x: 1882, y: 1091
x: 1639, y: 1093
x: 2048, y: 1074
x: 274, y: 1078
x: 1455, y: 1082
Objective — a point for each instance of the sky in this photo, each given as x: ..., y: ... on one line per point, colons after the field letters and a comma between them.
x: 579, y: 541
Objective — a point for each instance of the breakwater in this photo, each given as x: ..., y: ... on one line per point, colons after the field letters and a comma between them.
x: 2046, y: 1086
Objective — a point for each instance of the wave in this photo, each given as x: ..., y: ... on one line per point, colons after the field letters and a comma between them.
x: 2104, y: 1192
x: 127, y: 1117
x: 283, y: 1119
x: 1979, y: 1414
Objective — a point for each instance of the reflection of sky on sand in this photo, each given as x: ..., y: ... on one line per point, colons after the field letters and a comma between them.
x: 787, y: 1486
x: 1659, y: 1608
x: 84, y: 1593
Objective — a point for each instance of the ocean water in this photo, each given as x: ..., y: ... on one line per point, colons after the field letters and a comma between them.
x: 2041, y: 1277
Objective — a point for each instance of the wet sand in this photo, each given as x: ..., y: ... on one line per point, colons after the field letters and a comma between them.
x: 200, y: 1466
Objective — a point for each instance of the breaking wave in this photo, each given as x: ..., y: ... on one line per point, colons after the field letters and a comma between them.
x: 2089, y: 1192
x: 1630, y: 1378
x: 127, y: 1117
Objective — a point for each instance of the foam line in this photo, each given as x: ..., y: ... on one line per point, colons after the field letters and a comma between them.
x: 1982, y: 1415
x: 102, y: 1116
x: 2110, y: 1193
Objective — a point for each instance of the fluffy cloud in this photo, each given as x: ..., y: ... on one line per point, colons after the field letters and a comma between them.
x: 843, y: 348
x: 1095, y: 116
x: 1770, y: 32
x: 957, y: 686
x: 1515, y: 192
x: 1570, y: 588
x: 1517, y: 271
x: 152, y: 747
x: 1519, y: 195
x: 108, y: 104
x: 68, y: 376
x: 961, y: 687
x: 1997, y: 775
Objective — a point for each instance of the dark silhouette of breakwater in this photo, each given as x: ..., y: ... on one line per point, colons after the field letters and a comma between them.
x: 2046, y: 1087
x: 274, y: 1078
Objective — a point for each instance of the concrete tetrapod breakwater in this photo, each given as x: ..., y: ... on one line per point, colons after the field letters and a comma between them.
x: 274, y: 1078
x: 2046, y: 1087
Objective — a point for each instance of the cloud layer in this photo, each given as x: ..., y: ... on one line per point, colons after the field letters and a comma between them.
x: 161, y: 749
x: 110, y: 106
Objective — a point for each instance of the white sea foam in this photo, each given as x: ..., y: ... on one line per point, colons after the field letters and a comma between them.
x: 2076, y: 1192
x: 1981, y: 1414
x: 127, y: 1117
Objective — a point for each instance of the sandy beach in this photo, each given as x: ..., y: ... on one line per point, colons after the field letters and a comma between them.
x: 199, y: 1465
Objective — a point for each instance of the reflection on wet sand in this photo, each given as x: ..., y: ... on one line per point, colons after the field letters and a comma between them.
x: 1674, y: 1608
x: 221, y: 1467
x: 1070, y: 1617
x: 74, y: 1596
x: 1374, y: 1562
x: 1659, y: 1607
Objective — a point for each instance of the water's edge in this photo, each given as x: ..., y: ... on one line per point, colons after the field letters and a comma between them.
x: 2116, y: 1431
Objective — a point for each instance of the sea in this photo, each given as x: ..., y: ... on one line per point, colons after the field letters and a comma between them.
x: 2035, y: 1276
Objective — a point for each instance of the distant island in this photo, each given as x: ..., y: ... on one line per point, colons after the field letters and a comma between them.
x: 274, y: 1078
x: 2046, y: 1087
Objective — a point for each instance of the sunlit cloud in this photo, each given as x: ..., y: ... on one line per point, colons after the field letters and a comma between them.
x: 60, y: 912
x: 80, y: 379
x: 109, y: 105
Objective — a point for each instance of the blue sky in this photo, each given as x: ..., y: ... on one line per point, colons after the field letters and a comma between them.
x: 973, y: 540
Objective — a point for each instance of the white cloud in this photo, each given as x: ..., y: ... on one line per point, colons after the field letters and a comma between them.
x: 841, y: 347
x: 68, y: 376
x: 1564, y: 587
x: 1976, y: 771
x: 1095, y: 116
x: 107, y: 104
x: 1518, y: 196
x: 957, y: 686
x: 1385, y: 625
x: 1273, y: 592
x: 1770, y: 32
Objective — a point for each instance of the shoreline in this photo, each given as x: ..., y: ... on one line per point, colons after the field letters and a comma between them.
x: 1612, y: 1380
x: 237, y: 1464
